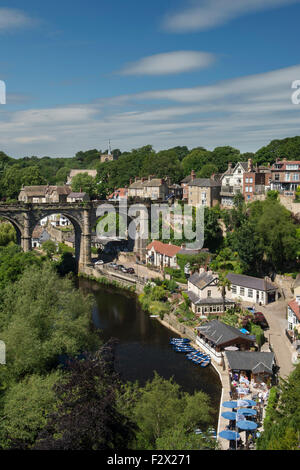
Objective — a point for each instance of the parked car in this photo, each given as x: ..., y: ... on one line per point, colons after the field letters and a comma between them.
x: 124, y: 270
x: 112, y: 265
x: 99, y: 262
x: 260, y: 320
x: 120, y: 267
x: 130, y: 270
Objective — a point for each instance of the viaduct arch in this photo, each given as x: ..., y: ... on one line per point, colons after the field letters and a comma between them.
x: 25, y: 216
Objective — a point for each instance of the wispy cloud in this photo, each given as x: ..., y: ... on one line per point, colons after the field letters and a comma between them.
x: 169, y: 63
x: 13, y: 19
x: 206, y: 14
x: 245, y: 112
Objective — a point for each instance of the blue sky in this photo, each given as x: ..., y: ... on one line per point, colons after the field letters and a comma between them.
x: 186, y: 72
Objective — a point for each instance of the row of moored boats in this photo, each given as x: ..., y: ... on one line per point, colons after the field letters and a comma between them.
x: 183, y: 345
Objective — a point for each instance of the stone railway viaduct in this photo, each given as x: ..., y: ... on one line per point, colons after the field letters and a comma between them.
x: 25, y: 216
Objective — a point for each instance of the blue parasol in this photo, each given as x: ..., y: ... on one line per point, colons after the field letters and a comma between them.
x: 229, y: 435
x: 246, y: 425
x: 251, y: 402
x: 230, y: 404
x: 229, y: 415
x: 247, y: 411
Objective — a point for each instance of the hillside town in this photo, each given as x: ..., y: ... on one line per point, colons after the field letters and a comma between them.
x: 247, y: 326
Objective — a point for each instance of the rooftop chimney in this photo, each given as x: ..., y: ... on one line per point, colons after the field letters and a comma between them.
x: 250, y: 166
x: 229, y: 165
x: 193, y: 175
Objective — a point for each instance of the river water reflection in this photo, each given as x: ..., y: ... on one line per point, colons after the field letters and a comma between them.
x: 144, y: 343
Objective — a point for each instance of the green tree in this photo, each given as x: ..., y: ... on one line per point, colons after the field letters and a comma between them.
x: 62, y: 175
x: 195, y: 160
x: 207, y: 171
x: 86, y: 417
x: 82, y: 182
x: 160, y: 407
x: 7, y: 234
x: 282, y: 421
x: 26, y: 406
x: 42, y: 317
x: 50, y: 248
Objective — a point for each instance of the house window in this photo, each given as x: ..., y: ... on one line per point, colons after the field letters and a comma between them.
x: 292, y: 167
x: 287, y: 177
x: 242, y: 290
x: 276, y: 177
x: 234, y: 289
x: 209, y: 293
x: 251, y: 180
x: 250, y: 293
x: 247, y: 189
x: 247, y: 180
x: 296, y: 177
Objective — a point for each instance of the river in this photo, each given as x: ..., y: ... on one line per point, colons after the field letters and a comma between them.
x: 144, y: 343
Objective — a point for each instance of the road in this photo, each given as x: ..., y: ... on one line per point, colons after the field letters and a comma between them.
x: 275, y: 314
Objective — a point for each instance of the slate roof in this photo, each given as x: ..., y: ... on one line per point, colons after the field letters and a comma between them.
x: 255, y: 361
x: 187, y: 179
x: 250, y: 282
x: 220, y: 333
x: 201, y: 280
x: 35, y: 190
x: 137, y: 185
x: 204, y: 182
x: 208, y: 300
x: 154, y: 182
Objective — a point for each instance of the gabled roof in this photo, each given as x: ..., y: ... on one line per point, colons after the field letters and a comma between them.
x: 256, y: 361
x: 220, y: 333
x: 154, y: 182
x: 187, y: 179
x: 35, y: 190
x: 201, y: 280
x: 164, y: 248
x: 136, y: 185
x: 251, y: 282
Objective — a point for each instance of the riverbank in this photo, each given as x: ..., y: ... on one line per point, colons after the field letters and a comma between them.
x: 186, y: 332
x: 171, y: 323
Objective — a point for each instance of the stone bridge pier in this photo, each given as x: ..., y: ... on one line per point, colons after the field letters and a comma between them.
x: 26, y: 216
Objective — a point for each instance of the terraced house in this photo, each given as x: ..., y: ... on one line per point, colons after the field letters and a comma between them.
x: 285, y: 176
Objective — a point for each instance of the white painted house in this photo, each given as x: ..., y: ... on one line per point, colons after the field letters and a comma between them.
x: 205, y: 294
x: 252, y: 289
x: 232, y: 182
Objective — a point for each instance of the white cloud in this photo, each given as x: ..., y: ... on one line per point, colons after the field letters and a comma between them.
x: 206, y: 14
x: 245, y: 112
x: 169, y: 63
x: 11, y: 19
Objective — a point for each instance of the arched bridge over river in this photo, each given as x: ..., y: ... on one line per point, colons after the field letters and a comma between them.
x: 25, y: 216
